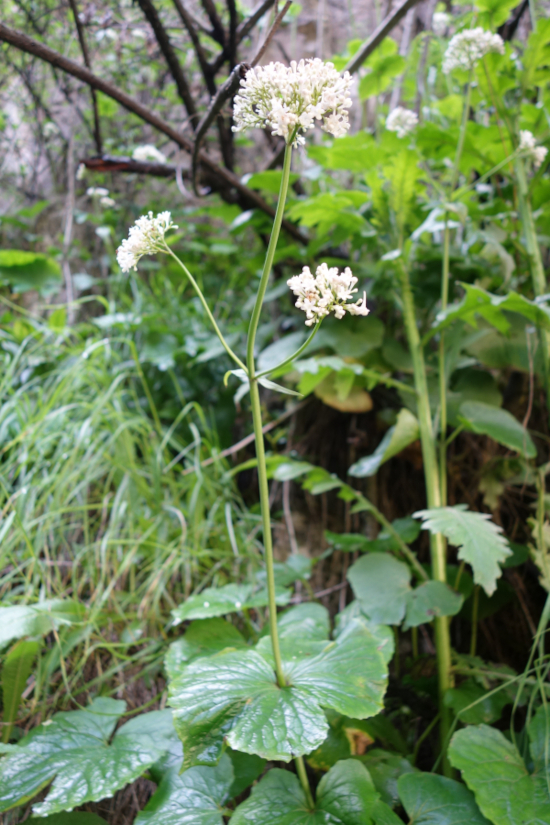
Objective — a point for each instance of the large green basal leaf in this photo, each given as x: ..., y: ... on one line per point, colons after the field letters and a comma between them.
x: 195, y: 797
x: 506, y: 793
x: 435, y: 800
x: 381, y: 584
x: 73, y: 750
x: 37, y: 619
x: 479, y: 540
x: 234, y: 695
x: 218, y: 601
x: 498, y: 424
x: 345, y: 796
x: 29, y: 270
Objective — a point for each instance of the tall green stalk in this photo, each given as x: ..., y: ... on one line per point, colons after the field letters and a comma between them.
x: 433, y: 496
x: 535, y: 262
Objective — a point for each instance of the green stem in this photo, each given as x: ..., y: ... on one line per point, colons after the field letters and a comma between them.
x: 302, y: 776
x: 206, y: 308
x: 535, y: 263
x: 293, y: 357
x: 433, y: 496
x: 255, y: 319
x: 442, y: 370
x: 266, y: 525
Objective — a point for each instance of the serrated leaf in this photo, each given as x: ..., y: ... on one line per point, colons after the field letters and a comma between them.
x: 498, y: 424
x: 506, y: 793
x: 435, y: 800
x: 195, y: 797
x: 429, y: 600
x: 15, y: 672
x: 218, y: 601
x: 479, y: 302
x: 381, y: 584
x: 73, y: 750
x: 38, y: 619
x: 202, y: 638
x: 403, y: 433
x: 345, y: 796
x: 479, y: 540
x: 235, y: 696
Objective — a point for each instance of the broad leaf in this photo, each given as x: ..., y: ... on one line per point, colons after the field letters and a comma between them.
x: 479, y: 540
x: 498, y: 424
x: 385, y: 769
x: 29, y: 270
x: 435, y: 800
x: 429, y: 600
x: 403, y: 433
x: 381, y: 584
x: 235, y: 696
x: 202, y: 638
x: 345, y: 796
x: 73, y: 750
x: 218, y: 601
x: 37, y: 619
x: 195, y: 797
x: 310, y: 620
x: 506, y: 793
x: 15, y: 672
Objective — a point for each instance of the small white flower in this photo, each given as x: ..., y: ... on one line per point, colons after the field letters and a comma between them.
x: 106, y: 201
x: 148, y: 154
x: 50, y: 129
x: 440, y: 22
x: 467, y: 47
x: 327, y: 292
x: 81, y: 171
x: 97, y: 192
x: 144, y: 238
x: 528, y: 145
x: 401, y: 121
x: 289, y: 100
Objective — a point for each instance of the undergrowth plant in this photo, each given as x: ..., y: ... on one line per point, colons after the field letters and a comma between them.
x: 244, y: 695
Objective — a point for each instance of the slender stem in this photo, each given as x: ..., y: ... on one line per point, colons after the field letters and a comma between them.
x: 462, y: 134
x: 206, y: 308
x: 535, y: 263
x: 442, y: 369
x: 255, y: 319
x: 302, y: 776
x: 433, y: 496
x: 266, y: 525
x: 293, y: 357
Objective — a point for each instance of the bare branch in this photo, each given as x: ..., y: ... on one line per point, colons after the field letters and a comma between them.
x: 189, y: 24
x: 247, y: 25
x: 269, y: 36
x: 114, y: 163
x: 378, y: 35
x: 232, y: 39
x: 218, y: 31
x: 86, y: 56
x: 167, y: 49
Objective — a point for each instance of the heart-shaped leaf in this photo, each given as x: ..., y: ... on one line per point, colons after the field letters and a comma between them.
x: 345, y: 796
x: 435, y: 800
x: 73, y: 750
x: 235, y: 696
x: 219, y: 601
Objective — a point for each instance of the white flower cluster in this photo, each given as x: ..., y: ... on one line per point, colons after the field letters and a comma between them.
x: 289, y: 100
x: 528, y: 144
x: 440, y: 22
x: 102, y: 194
x: 401, y: 121
x: 467, y: 47
x: 81, y: 172
x: 327, y: 292
x: 148, y: 154
x: 144, y: 238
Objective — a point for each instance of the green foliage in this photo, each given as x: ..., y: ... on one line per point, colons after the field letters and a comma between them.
x: 29, y: 270
x: 403, y: 433
x: 38, y: 619
x: 498, y: 424
x: 235, y: 696
x: 74, y: 750
x: 15, y: 672
x: 228, y: 599
x: 435, y: 800
x: 480, y: 542
x: 492, y: 767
